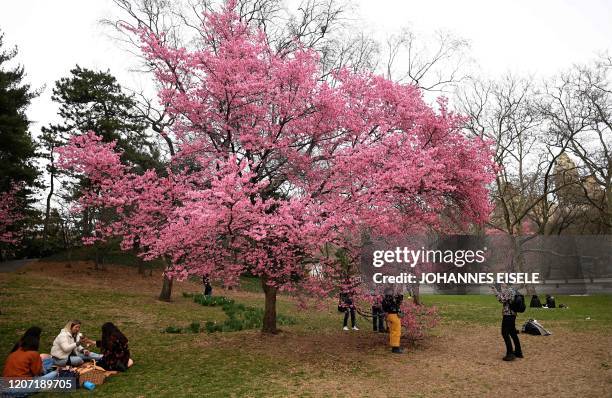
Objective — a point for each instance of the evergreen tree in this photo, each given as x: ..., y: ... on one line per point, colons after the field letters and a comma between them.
x: 17, y: 149
x: 93, y: 100
x: 18, y: 171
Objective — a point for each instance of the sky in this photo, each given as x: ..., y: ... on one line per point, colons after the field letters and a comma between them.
x: 538, y: 38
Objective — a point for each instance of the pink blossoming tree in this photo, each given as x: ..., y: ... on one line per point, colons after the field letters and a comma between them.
x: 273, y: 165
x: 10, y: 215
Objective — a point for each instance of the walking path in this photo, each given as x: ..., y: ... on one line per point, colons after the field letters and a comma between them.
x: 14, y: 265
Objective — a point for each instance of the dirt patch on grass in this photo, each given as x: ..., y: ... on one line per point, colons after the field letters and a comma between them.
x: 458, y: 362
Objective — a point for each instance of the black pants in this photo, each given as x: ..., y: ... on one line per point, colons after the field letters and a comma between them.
x: 350, y: 310
x: 378, y: 319
x: 508, y: 330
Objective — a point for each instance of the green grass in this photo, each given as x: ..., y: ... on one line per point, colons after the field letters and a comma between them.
x: 485, y: 310
x: 232, y: 363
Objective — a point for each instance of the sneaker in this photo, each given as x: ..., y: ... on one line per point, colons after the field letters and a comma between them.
x: 518, y: 354
x: 397, y: 350
x: 345, y: 328
x: 509, y: 357
x: 355, y: 328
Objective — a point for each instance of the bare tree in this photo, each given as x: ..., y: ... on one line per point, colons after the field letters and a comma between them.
x: 436, y: 63
x: 579, y: 107
x: 524, y: 193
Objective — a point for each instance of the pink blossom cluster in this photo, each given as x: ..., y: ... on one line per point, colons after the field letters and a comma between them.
x: 273, y: 164
x: 10, y: 214
x: 418, y: 319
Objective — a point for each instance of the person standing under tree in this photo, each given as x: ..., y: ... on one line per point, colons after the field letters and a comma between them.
x: 505, y: 294
x: 346, y: 301
x: 391, y: 305
x: 207, y: 285
x: 378, y: 315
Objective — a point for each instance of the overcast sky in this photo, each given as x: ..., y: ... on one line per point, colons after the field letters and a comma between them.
x: 524, y: 36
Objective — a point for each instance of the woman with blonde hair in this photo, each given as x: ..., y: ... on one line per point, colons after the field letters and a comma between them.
x: 67, y: 347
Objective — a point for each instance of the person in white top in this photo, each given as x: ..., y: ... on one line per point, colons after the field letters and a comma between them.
x: 69, y: 344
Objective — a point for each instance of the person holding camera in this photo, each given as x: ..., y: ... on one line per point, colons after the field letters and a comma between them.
x: 505, y: 294
x: 391, y: 305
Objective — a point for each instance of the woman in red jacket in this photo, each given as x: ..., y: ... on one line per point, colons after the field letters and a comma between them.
x: 25, y: 362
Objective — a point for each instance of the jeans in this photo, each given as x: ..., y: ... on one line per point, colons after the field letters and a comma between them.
x: 378, y: 319
x: 48, y: 365
x: 508, y: 330
x: 351, y: 311
x: 78, y: 360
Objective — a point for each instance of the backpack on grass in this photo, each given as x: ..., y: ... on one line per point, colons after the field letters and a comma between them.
x: 518, y: 303
x: 533, y: 327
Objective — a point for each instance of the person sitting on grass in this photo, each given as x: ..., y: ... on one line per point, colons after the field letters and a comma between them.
x: 26, y: 362
x: 535, y: 302
x: 550, y: 301
x: 346, y: 301
x: 115, y: 351
x: 35, y: 331
x: 505, y: 294
x: 67, y: 348
x: 32, y: 331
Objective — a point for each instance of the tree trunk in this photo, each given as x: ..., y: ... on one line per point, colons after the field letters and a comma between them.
x: 141, y: 267
x: 166, y: 292
x: 416, y: 295
x: 97, y: 257
x: 47, y: 213
x: 269, y: 319
x: 519, y: 256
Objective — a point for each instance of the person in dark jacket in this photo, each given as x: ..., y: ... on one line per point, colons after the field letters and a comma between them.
x: 114, y: 347
x: 550, y: 301
x: 207, y: 286
x: 505, y: 294
x: 391, y: 305
x: 378, y: 315
x: 346, y: 301
x: 535, y: 302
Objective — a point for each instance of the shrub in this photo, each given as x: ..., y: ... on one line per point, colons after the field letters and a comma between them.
x: 240, y: 317
x: 194, y: 327
x: 418, y: 319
